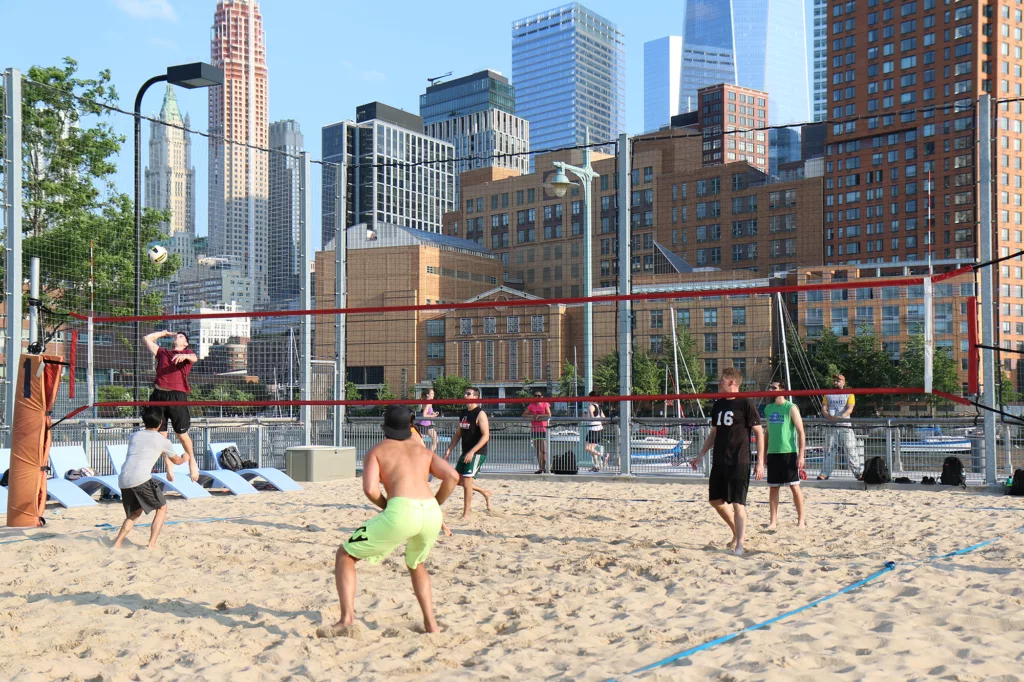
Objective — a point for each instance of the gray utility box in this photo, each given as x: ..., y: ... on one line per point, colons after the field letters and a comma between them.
x: 313, y: 463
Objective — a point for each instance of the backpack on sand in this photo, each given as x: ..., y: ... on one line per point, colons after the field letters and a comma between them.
x: 953, y: 472
x: 564, y: 463
x: 230, y: 459
x: 876, y: 471
x: 1017, y: 486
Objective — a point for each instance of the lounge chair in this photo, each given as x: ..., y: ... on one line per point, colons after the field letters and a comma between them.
x: 65, y: 492
x: 182, y: 485
x: 274, y: 477
x: 64, y: 458
x: 5, y: 464
x: 216, y: 478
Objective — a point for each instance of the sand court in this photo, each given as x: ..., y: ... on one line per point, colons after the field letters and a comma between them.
x: 581, y: 580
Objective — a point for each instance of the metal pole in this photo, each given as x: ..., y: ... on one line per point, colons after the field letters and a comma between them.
x: 305, y: 303
x: 988, y: 301
x: 138, y: 227
x: 33, y: 305
x: 785, y: 345
x: 675, y: 361
x: 13, y: 283
x: 929, y: 335
x: 340, y: 300
x: 625, y: 318
x: 90, y: 379
x: 588, y: 269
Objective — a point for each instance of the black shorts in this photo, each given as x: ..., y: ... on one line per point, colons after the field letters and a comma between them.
x: 594, y: 436
x: 148, y: 496
x: 782, y: 469
x: 729, y: 482
x: 178, y: 415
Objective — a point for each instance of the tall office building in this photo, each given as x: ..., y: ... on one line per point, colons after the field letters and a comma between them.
x: 476, y: 115
x: 757, y: 44
x: 395, y: 172
x: 818, y: 55
x: 171, y: 178
x: 285, y: 218
x: 569, y: 69
x: 662, y: 59
x: 238, y: 181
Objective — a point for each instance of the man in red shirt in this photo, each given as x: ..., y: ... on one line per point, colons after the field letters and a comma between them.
x: 171, y: 385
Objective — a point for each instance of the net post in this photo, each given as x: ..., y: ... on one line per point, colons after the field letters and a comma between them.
x: 306, y: 303
x: 972, y: 345
x: 988, y: 301
x: 90, y: 378
x: 624, y: 327
x: 13, y: 281
x: 929, y: 335
x: 340, y: 300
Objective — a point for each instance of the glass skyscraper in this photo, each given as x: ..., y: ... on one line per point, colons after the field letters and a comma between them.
x: 758, y: 44
x: 569, y: 71
x: 662, y: 59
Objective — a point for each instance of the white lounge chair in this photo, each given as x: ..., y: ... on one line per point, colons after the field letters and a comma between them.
x: 274, y: 477
x: 64, y: 458
x: 65, y: 492
x: 216, y: 478
x: 182, y: 485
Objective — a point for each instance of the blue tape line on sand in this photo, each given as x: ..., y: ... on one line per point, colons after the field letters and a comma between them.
x: 889, y: 567
x: 211, y: 519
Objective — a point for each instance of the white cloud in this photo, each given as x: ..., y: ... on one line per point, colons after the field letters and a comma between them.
x: 147, y: 9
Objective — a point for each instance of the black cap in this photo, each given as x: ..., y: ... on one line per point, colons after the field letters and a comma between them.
x: 398, y: 422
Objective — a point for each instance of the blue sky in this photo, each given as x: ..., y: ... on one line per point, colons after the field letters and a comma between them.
x: 324, y: 56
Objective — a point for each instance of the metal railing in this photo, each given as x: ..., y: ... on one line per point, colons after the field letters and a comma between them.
x: 912, y: 448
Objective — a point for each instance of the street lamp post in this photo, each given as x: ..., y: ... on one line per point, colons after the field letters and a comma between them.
x: 559, y: 185
x: 196, y: 75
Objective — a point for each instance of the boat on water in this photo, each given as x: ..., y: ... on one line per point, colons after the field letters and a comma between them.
x: 937, y: 445
x: 638, y: 443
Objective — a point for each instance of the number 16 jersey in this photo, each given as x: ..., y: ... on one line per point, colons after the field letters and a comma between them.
x: 733, y: 420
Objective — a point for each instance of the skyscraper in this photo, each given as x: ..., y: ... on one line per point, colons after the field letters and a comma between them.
x: 662, y: 59
x: 238, y: 181
x: 402, y: 176
x: 285, y: 219
x: 171, y: 178
x: 476, y: 115
x: 757, y: 44
x: 818, y: 54
x: 569, y: 69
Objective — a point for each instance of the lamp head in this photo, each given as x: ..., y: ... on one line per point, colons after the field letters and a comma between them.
x: 196, y: 75
x: 560, y: 184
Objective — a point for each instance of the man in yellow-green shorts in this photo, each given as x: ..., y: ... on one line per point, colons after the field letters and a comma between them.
x: 411, y: 515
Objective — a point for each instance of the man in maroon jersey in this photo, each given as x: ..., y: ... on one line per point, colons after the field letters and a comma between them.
x: 171, y: 385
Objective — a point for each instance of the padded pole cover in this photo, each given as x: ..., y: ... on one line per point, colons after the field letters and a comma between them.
x: 38, y: 380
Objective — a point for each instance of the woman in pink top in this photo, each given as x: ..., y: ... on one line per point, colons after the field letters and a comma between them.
x: 540, y: 412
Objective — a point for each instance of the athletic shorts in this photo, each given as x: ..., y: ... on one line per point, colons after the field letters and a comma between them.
x: 148, y: 497
x: 472, y: 468
x: 594, y: 436
x: 539, y: 434
x: 414, y: 522
x: 729, y: 482
x: 176, y: 414
x: 782, y: 469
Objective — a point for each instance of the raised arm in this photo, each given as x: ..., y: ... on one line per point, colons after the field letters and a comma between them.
x: 371, y: 480
x: 151, y: 339
x: 185, y: 357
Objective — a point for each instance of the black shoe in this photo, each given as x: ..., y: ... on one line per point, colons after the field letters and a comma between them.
x: 928, y: 480
x: 539, y: 471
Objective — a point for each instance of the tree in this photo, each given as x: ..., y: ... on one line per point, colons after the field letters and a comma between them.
x: 571, y: 381
x: 1007, y: 393
x: 115, y: 394
x: 648, y: 375
x: 692, y: 378
x: 385, y: 392
x: 450, y: 387
x: 69, y: 198
x: 868, y: 366
x: 352, y: 391
x: 827, y: 357
x: 944, y: 374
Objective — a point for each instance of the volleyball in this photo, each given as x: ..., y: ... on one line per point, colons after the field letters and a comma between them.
x: 157, y: 254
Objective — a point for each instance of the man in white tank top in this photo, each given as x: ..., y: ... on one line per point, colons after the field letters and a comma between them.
x: 838, y: 408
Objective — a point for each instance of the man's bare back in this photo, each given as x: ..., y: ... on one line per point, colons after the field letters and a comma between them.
x: 404, y: 467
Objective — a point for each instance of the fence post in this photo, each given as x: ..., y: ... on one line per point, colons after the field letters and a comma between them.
x: 988, y: 300
x: 87, y: 443
x: 259, y: 444
x: 1008, y: 435
x: 625, y: 308
x: 340, y: 300
x: 547, y: 448
x: 305, y: 303
x: 888, y: 445
x: 899, y: 450
x: 13, y: 280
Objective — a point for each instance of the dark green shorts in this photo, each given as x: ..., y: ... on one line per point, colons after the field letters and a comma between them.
x: 471, y: 468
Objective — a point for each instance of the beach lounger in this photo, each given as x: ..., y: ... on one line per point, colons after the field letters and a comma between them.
x: 67, y: 493
x: 64, y: 458
x: 218, y: 478
x: 182, y: 485
x: 5, y: 464
x: 275, y: 477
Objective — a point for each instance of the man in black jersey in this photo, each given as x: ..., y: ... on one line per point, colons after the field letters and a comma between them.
x: 474, y: 431
x: 732, y: 420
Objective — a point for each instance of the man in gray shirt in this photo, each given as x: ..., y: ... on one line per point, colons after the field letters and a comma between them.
x: 139, y: 491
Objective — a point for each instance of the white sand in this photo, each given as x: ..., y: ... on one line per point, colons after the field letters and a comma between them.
x: 557, y: 587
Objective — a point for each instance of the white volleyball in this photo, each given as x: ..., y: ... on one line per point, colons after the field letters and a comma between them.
x: 157, y: 254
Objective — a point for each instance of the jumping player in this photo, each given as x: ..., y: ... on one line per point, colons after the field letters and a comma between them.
x: 785, y: 454
x: 411, y: 515
x: 474, y: 431
x: 171, y: 385
x: 732, y: 420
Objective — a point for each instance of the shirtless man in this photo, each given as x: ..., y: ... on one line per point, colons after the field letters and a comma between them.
x: 411, y: 515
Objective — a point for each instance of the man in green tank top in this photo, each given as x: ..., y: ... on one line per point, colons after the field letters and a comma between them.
x: 785, y: 454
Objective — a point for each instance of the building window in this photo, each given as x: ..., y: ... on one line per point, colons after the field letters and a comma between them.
x: 435, y: 327
x: 467, y: 360
x: 537, y: 324
x: 512, y: 324
x: 657, y: 319
x: 490, y: 325
x: 841, y: 321
x: 513, y: 360
x: 711, y: 317
x: 710, y: 343
x: 890, y: 320
x: 739, y: 341
x: 434, y: 371
x: 466, y: 326
x: 711, y: 369
x: 683, y: 318
x: 656, y: 342
x: 538, y: 359
x: 435, y: 351
x: 488, y: 360
x: 739, y: 316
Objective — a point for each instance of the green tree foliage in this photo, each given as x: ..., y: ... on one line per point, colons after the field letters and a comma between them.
x: 69, y: 197
x: 1007, y: 393
x: 944, y: 374
x: 450, y: 387
x: 385, y: 392
x: 648, y: 375
x: 352, y: 391
x: 868, y: 366
x: 114, y: 394
x: 571, y: 381
x: 222, y: 391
